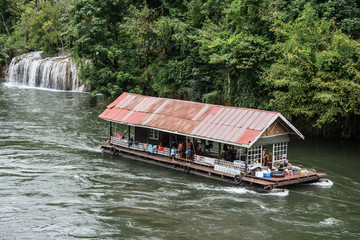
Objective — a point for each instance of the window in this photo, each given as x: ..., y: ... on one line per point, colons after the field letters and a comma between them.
x: 153, y: 134
x: 280, y: 151
x: 254, y: 155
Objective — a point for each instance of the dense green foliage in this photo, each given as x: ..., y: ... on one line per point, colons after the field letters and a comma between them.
x: 34, y: 25
x: 317, y: 76
x: 301, y: 57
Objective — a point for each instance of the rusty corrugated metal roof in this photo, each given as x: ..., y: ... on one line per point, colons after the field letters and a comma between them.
x: 232, y: 125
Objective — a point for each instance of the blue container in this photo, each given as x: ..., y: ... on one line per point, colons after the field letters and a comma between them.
x: 267, y: 175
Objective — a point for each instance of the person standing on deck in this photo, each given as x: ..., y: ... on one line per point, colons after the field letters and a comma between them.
x: 196, y: 147
x: 188, y: 149
x: 180, y: 148
x: 202, y: 146
x: 173, y: 152
x: 265, y: 157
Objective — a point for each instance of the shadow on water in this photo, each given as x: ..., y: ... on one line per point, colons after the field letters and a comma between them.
x: 56, y: 184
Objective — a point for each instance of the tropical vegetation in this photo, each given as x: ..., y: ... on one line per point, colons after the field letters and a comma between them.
x: 301, y: 57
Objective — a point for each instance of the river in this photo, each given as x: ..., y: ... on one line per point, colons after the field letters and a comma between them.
x: 55, y: 183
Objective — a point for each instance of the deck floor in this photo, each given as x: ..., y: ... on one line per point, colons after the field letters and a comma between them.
x: 267, y: 183
x: 287, y: 180
x: 292, y: 177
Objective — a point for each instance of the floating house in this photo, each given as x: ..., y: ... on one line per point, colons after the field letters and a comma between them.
x: 231, y: 144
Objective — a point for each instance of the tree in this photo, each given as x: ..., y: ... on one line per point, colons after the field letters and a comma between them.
x: 238, y: 51
x: 317, y: 76
x: 346, y: 14
x: 140, y: 27
x: 103, y: 48
x: 39, y: 28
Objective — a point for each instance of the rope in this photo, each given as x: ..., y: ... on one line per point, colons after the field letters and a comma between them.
x: 328, y: 198
x: 347, y: 187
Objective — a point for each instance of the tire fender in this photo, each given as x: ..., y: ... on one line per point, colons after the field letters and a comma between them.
x: 237, y: 179
x: 278, y: 174
x: 113, y: 151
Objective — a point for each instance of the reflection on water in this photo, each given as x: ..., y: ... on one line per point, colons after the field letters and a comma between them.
x: 56, y: 184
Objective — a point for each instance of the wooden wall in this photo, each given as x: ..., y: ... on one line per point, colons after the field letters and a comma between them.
x: 141, y: 135
x: 275, y: 129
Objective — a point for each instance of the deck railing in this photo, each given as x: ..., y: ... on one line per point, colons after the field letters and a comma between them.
x: 203, y: 160
x: 164, y: 152
x: 232, y: 168
x: 137, y: 146
x: 143, y: 147
x: 119, y: 142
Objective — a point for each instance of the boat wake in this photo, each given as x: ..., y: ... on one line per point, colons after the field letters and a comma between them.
x: 241, y: 191
x: 330, y: 222
x: 284, y: 193
x: 324, y: 183
x: 86, y: 148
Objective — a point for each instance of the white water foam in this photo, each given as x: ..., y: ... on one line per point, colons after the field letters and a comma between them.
x: 323, y: 183
x: 240, y: 190
x: 284, y: 193
x: 84, y: 147
x: 32, y: 70
x: 330, y: 222
x: 17, y: 85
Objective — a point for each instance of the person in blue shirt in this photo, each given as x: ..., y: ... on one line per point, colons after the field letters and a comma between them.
x: 173, y: 152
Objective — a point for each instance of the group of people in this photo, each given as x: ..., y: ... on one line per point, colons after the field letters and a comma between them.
x: 182, y: 150
x: 186, y: 150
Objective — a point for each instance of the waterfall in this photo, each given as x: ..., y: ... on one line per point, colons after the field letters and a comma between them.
x: 33, y: 70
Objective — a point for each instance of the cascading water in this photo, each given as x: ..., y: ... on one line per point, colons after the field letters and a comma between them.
x: 33, y: 70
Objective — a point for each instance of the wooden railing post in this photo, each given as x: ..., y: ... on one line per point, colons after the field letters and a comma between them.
x: 129, y: 136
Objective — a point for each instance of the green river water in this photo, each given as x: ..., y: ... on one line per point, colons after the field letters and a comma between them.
x: 55, y: 183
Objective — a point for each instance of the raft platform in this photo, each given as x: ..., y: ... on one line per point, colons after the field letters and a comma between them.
x: 189, y: 166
